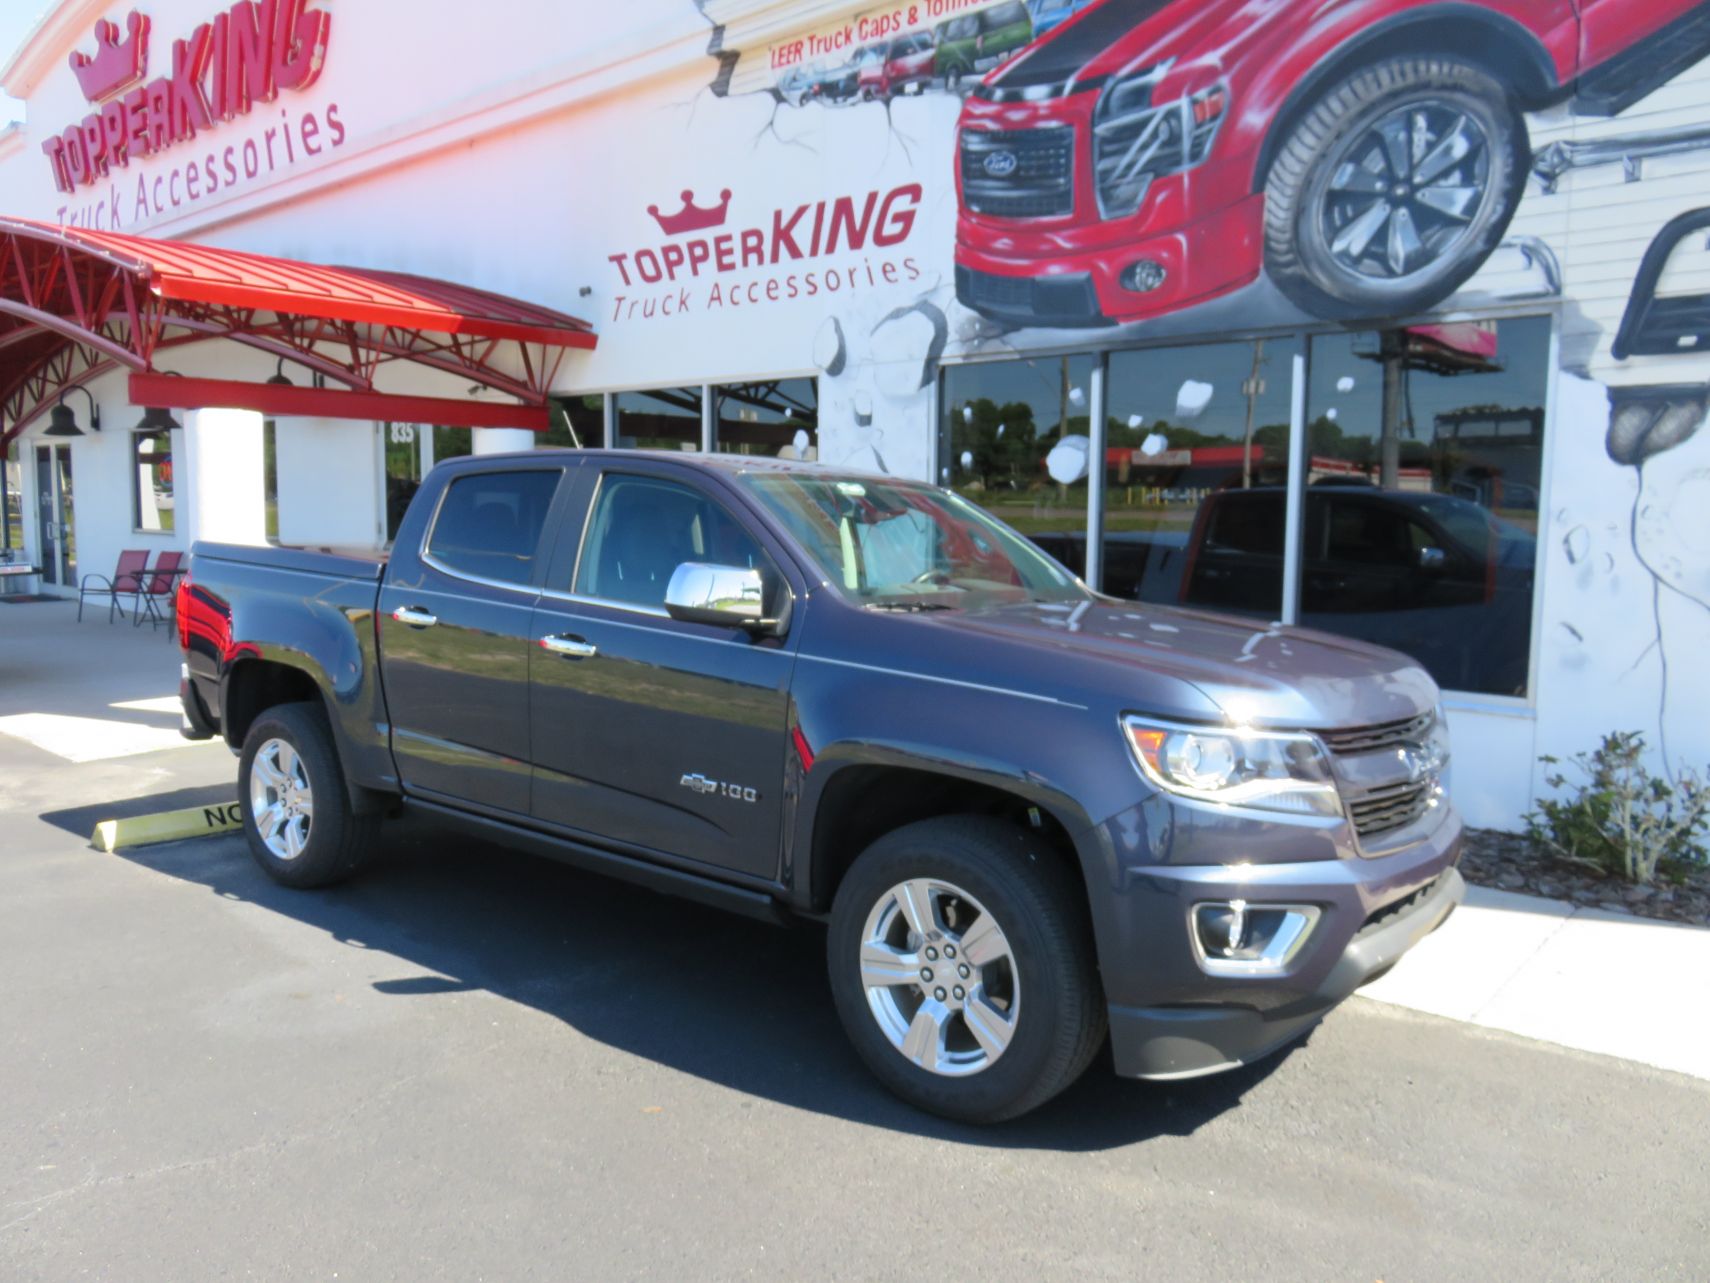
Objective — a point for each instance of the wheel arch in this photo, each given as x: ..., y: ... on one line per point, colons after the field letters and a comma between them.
x: 252, y: 685
x: 1493, y: 41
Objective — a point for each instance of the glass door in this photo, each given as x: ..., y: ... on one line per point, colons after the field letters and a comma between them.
x: 56, y: 535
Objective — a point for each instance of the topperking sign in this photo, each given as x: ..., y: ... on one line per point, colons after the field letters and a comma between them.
x: 221, y: 71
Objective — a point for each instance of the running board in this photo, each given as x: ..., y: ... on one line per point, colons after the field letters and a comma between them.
x: 1619, y: 83
x: 580, y: 855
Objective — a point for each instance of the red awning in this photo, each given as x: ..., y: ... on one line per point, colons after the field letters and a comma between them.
x: 77, y: 303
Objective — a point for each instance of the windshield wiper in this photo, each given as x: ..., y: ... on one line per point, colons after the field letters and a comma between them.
x: 910, y: 605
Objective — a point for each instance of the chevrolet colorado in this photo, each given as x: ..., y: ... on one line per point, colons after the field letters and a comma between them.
x: 1028, y: 814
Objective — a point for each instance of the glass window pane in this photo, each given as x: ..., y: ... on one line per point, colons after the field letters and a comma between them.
x: 1014, y: 441
x: 489, y: 524
x: 1422, y: 507
x: 777, y: 417
x: 270, y: 476
x: 643, y: 529
x: 452, y: 443
x: 12, y: 498
x: 1188, y: 430
x: 401, y: 444
x: 661, y: 419
x: 151, y: 483
x: 577, y: 422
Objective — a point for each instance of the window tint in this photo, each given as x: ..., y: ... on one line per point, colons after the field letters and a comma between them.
x: 490, y: 524
x: 1248, y: 524
x: 644, y: 529
x: 1004, y: 15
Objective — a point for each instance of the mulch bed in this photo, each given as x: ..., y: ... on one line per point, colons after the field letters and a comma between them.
x: 1508, y: 862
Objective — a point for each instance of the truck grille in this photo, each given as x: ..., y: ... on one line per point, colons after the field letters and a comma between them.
x: 1033, y: 177
x: 1373, y: 739
x: 1391, y: 806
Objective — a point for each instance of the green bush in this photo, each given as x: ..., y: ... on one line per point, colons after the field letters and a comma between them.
x: 1623, y: 820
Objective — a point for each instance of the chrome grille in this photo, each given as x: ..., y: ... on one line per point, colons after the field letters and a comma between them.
x: 1373, y: 739
x: 1391, y: 806
x: 1040, y: 182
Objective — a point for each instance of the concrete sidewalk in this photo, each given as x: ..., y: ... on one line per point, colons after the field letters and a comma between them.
x: 1580, y: 978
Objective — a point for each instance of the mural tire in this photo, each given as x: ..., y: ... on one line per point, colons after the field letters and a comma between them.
x: 1040, y: 905
x: 339, y: 840
x: 1296, y: 259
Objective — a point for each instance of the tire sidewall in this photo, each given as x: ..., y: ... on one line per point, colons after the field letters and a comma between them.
x: 1311, y: 275
x: 992, y: 1093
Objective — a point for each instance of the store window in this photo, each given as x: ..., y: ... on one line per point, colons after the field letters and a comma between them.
x: 1186, y: 427
x: 576, y: 422
x: 777, y: 417
x: 661, y: 419
x: 151, y: 481
x: 1014, y: 440
x: 489, y: 524
x: 450, y: 443
x: 1426, y: 456
x: 401, y: 447
x: 11, y: 501
x: 270, y: 476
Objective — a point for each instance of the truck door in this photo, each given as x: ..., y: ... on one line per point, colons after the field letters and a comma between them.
x: 661, y: 734
x: 455, y: 618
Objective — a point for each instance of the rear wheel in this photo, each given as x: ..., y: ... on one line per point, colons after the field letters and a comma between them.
x: 1393, y: 188
x: 297, y: 814
x: 962, y: 968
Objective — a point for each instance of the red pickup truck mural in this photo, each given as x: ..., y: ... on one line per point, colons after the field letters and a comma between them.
x: 1366, y: 155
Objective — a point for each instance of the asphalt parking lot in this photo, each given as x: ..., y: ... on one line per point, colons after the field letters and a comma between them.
x: 473, y: 1065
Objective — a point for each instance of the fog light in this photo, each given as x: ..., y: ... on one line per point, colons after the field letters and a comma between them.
x: 1237, y: 938
x: 1142, y: 277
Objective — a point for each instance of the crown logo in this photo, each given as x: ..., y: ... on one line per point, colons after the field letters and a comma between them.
x: 116, y: 65
x: 692, y: 218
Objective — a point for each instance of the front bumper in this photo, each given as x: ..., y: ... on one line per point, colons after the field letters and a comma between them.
x: 1188, y: 1042
x: 1168, y: 1016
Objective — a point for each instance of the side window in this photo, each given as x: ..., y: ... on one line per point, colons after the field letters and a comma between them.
x: 489, y: 524
x: 1369, y: 534
x: 1247, y: 524
x: 643, y: 529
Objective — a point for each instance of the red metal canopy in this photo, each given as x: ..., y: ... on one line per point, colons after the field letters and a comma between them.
x: 76, y: 303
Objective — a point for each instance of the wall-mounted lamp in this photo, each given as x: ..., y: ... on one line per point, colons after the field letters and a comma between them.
x: 279, y: 380
x: 63, y: 423
x: 154, y: 420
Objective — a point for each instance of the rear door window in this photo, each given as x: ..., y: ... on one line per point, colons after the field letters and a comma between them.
x: 490, y: 524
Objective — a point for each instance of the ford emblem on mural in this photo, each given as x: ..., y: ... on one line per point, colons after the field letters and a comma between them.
x: 1000, y: 164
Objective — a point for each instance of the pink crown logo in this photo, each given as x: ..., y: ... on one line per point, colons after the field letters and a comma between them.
x: 692, y: 218
x: 116, y: 65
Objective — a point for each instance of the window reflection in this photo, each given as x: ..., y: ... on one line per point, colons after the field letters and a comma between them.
x: 778, y: 417
x: 658, y: 419
x: 1015, y: 441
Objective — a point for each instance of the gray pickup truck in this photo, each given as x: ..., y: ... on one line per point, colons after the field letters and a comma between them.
x: 1028, y: 814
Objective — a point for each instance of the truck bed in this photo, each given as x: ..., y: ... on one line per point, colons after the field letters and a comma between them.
x: 339, y: 563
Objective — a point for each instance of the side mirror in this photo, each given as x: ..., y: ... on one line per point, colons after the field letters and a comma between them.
x: 1433, y: 561
x: 724, y: 596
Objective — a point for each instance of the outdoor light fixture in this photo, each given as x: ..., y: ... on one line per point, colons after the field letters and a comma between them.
x: 155, y: 420
x: 279, y: 380
x: 63, y: 423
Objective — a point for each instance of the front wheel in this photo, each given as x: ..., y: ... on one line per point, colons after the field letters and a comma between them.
x: 962, y: 968
x: 297, y: 814
x: 1393, y: 188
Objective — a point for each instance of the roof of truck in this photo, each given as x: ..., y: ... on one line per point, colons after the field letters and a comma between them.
x: 732, y: 464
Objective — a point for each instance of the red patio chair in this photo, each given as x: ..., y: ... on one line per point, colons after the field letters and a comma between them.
x: 158, y: 588
x: 127, y: 579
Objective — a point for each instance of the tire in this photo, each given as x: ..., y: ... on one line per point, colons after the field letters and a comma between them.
x: 1039, y: 1004
x: 330, y: 842
x: 1346, y: 241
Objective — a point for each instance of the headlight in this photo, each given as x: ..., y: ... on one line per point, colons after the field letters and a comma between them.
x: 1264, y: 770
x: 1135, y: 139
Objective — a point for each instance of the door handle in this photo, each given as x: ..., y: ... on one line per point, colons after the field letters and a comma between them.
x: 415, y: 617
x: 570, y: 647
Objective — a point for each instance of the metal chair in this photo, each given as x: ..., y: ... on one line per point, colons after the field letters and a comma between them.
x: 162, y: 581
x: 127, y: 579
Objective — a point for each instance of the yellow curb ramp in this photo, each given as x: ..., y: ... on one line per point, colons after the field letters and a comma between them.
x: 168, y: 826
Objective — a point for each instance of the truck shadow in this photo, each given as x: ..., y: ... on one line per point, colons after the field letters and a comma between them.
x: 732, y: 1001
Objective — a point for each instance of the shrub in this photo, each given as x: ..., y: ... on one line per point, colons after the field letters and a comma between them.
x: 1623, y: 820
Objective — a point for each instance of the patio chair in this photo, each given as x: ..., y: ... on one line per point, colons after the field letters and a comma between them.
x: 127, y: 579
x: 157, y: 588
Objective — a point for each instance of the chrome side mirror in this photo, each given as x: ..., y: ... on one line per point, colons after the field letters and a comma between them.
x: 724, y: 596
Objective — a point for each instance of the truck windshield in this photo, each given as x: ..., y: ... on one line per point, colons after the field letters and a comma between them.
x: 899, y: 546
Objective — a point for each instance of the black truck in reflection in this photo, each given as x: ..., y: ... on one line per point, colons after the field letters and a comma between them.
x: 1432, y: 575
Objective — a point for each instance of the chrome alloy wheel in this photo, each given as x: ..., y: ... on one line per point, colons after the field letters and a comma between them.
x: 1404, y: 191
x: 940, y: 977
x: 280, y: 800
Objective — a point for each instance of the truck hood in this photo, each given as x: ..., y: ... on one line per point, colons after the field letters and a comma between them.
x: 1118, y: 35
x: 1255, y: 672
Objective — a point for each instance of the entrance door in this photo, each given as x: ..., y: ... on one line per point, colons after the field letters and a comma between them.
x: 56, y: 536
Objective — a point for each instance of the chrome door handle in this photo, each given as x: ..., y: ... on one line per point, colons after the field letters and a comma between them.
x: 573, y: 647
x: 415, y: 617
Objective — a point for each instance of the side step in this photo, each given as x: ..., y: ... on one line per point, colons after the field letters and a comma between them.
x: 1646, y: 67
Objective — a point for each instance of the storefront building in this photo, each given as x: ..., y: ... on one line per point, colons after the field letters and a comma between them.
x: 1388, y: 319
